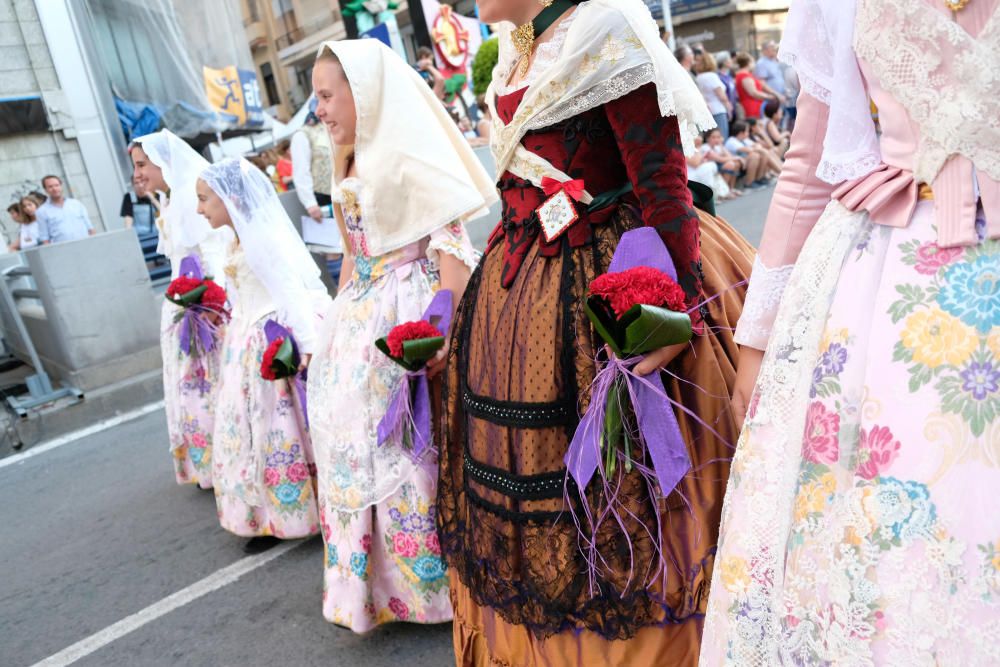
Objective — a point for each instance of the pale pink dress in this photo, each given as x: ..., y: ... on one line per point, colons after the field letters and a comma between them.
x: 859, y: 525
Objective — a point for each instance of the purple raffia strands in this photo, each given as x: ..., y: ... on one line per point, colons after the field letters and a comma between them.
x: 273, y: 331
x: 657, y: 429
x: 197, y: 333
x: 409, y: 409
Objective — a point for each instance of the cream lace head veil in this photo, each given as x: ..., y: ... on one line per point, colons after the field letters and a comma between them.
x: 417, y: 172
x: 180, y: 165
x: 273, y: 248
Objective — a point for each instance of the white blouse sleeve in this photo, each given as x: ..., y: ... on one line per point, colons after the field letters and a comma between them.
x: 454, y: 240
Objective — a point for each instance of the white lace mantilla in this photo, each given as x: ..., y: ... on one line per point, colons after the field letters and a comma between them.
x: 818, y: 43
x: 763, y: 298
x: 946, y: 79
x: 604, y: 50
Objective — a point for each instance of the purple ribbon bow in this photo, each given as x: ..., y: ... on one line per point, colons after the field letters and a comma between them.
x: 658, y: 427
x: 273, y: 331
x: 191, y: 267
x: 410, y: 406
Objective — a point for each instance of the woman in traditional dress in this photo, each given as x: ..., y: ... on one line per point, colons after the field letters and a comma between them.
x: 403, y: 192
x: 596, y: 96
x: 263, y: 466
x: 858, y: 527
x: 165, y: 163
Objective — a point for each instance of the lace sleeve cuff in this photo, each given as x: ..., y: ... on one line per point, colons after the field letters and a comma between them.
x: 454, y: 240
x: 763, y: 296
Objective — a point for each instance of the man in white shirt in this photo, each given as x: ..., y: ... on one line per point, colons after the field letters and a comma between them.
x: 60, y: 218
x: 312, y: 173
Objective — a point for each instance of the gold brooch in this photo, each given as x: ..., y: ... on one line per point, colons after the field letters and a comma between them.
x: 524, y: 40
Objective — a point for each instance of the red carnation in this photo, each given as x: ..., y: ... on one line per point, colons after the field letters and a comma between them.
x: 266, y: 370
x: 410, y: 331
x: 214, y: 296
x: 182, y: 286
x: 639, y: 285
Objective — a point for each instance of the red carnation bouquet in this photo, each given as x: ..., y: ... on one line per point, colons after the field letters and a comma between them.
x: 629, y: 425
x: 203, y: 304
x: 281, y: 358
x: 411, y: 345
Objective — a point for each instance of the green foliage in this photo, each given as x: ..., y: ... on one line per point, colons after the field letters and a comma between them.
x: 483, y: 64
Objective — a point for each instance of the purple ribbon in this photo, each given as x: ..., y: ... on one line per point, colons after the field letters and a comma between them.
x: 410, y: 406
x: 195, y: 321
x: 658, y: 427
x: 273, y: 331
x: 191, y: 267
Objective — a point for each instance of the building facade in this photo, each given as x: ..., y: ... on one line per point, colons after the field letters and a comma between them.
x: 728, y: 25
x: 54, y: 119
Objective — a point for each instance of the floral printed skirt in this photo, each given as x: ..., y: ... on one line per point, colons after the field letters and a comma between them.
x: 188, y: 397
x: 384, y: 564
x: 264, y: 470
x: 868, y: 535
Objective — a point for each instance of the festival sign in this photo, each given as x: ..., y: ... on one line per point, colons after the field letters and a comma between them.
x: 235, y: 92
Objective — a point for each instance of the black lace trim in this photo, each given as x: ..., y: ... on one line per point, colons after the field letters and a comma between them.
x: 519, y: 415
x: 543, y: 486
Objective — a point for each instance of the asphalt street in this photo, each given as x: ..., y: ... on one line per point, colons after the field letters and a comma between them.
x: 107, y: 562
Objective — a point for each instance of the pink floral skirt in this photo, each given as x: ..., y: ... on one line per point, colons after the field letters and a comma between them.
x: 889, y: 547
x: 263, y: 467
x: 383, y: 563
x: 189, y: 385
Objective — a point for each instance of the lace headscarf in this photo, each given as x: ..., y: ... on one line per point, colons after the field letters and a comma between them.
x: 272, y: 247
x: 180, y: 165
x: 612, y: 48
x: 418, y: 172
x: 819, y: 43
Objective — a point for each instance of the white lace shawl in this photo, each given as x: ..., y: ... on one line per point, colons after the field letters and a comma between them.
x: 609, y: 49
x: 819, y: 43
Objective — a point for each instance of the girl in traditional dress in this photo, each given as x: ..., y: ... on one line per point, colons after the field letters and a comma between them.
x: 407, y: 180
x: 264, y: 486
x: 595, y: 96
x: 859, y: 526
x: 166, y: 164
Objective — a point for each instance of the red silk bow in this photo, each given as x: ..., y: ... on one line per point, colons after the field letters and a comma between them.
x: 573, y: 188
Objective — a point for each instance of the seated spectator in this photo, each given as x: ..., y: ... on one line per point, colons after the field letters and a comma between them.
x: 62, y: 218
x: 27, y: 224
x: 703, y: 170
x: 139, y: 210
x: 771, y: 123
x: 757, y: 165
x: 485, y: 123
x: 764, y: 143
x: 730, y: 166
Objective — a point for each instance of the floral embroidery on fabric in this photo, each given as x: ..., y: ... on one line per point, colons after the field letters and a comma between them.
x: 948, y: 326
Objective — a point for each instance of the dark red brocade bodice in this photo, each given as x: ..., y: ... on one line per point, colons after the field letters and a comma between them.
x: 607, y: 146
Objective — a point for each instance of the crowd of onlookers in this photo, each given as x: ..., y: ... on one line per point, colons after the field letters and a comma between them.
x: 753, y: 103
x: 48, y: 216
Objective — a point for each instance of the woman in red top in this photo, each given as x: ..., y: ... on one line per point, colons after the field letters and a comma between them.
x: 284, y: 167
x: 596, y: 98
x: 752, y: 91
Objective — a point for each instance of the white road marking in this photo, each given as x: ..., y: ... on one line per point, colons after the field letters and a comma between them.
x: 212, y: 582
x: 82, y: 433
